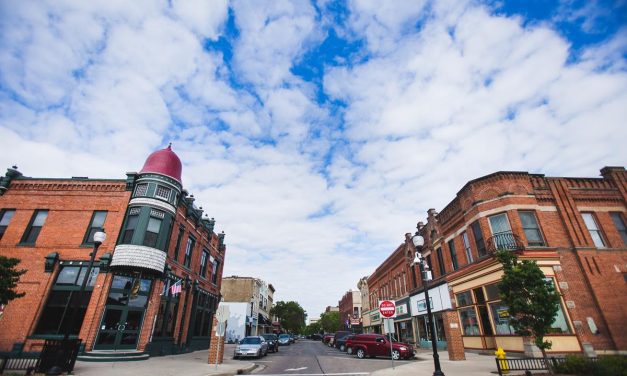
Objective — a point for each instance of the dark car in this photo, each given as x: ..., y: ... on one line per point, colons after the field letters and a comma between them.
x: 316, y: 337
x: 339, y: 335
x: 341, y: 343
x: 378, y: 345
x: 273, y: 342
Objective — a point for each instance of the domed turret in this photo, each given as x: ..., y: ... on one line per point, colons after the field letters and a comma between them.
x: 164, y: 162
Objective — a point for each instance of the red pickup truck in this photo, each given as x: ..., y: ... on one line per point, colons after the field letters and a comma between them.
x: 373, y: 345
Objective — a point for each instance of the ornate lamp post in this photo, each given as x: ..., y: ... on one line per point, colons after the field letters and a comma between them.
x: 426, y: 276
x: 59, y: 356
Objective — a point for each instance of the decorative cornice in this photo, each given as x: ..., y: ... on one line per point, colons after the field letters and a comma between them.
x: 153, y: 202
x: 68, y: 185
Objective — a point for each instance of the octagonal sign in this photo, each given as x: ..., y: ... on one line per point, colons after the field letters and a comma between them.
x: 387, y: 308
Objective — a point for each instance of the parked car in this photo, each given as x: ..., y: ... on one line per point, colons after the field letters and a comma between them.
x: 316, y: 337
x: 292, y: 338
x: 378, y: 345
x: 349, y: 344
x: 251, y: 346
x: 338, y: 336
x: 284, y: 340
x: 327, y: 338
x: 273, y: 342
x: 340, y: 343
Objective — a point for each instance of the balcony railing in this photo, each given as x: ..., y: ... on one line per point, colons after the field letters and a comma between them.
x: 505, y: 241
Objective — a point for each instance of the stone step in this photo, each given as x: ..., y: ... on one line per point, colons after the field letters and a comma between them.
x: 113, y: 356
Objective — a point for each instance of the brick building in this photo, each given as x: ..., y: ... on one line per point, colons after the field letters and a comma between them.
x: 156, y: 238
x: 350, y: 311
x: 574, y: 228
x: 259, y: 298
x: 392, y: 280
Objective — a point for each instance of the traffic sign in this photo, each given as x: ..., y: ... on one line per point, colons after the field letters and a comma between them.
x: 387, y: 308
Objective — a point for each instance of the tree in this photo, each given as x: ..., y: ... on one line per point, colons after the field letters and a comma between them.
x: 9, y: 277
x: 532, y: 301
x: 330, y: 322
x: 291, y: 315
x: 313, y: 328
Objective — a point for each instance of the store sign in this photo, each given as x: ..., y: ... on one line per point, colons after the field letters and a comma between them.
x: 355, y: 321
x: 503, y: 313
x: 422, y: 304
x: 375, y: 316
x: 401, y: 309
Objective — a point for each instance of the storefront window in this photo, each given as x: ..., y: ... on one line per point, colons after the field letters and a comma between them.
x: 492, y: 292
x: 464, y: 298
x: 469, y: 321
x: 405, y: 332
x: 500, y: 315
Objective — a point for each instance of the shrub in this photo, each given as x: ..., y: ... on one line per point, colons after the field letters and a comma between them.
x: 604, y: 366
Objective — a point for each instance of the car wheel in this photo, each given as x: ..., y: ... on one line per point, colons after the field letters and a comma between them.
x: 349, y: 351
x: 342, y: 348
x: 361, y: 353
x: 396, y: 355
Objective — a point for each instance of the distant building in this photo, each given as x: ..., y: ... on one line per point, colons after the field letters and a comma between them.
x: 258, y: 295
x: 350, y: 311
x: 332, y: 309
x: 156, y: 238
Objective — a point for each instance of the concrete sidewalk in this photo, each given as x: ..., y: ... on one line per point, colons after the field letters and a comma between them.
x: 190, y: 364
x: 474, y: 365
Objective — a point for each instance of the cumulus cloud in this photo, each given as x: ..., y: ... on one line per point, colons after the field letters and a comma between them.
x: 315, y: 179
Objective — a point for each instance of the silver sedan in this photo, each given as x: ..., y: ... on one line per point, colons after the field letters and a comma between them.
x: 252, y: 346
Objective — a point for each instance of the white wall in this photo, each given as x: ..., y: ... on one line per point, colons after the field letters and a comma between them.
x: 438, y: 295
x: 236, y: 327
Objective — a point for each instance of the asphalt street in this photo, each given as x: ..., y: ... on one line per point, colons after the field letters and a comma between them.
x: 313, y: 358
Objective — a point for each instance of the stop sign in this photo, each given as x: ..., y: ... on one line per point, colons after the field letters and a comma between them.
x: 387, y: 308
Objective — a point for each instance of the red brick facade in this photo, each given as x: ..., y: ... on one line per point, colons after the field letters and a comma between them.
x: 71, y: 204
x: 459, y: 242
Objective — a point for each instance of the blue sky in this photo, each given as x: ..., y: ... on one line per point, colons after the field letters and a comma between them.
x: 317, y: 133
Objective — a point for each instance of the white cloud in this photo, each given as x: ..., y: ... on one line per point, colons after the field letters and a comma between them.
x: 445, y: 93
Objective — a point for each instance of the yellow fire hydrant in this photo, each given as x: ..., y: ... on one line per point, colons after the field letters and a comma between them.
x: 500, y: 355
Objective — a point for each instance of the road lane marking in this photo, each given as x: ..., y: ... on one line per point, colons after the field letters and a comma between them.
x: 295, y: 369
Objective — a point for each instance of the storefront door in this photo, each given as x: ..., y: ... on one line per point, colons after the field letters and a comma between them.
x: 124, y: 313
x: 424, y: 331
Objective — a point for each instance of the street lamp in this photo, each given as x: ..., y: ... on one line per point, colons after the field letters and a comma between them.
x: 99, y: 238
x: 59, y: 356
x: 424, y: 274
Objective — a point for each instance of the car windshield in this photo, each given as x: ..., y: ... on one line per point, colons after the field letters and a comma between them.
x: 269, y: 336
x: 284, y: 336
x: 250, y: 341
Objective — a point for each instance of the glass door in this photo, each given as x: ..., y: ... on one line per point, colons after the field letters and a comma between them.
x: 124, y: 312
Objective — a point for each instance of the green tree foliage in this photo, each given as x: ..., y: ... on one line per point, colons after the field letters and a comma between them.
x: 531, y: 300
x: 330, y: 322
x: 313, y: 328
x: 291, y: 315
x: 9, y: 277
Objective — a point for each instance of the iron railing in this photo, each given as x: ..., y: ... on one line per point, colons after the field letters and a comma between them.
x: 504, y: 241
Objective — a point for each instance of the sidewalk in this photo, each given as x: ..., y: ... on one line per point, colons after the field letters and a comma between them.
x: 190, y: 364
x: 474, y: 365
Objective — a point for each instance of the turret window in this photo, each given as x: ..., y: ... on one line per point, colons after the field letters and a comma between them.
x: 131, y: 224
x: 152, y: 232
x: 163, y: 192
x: 141, y: 190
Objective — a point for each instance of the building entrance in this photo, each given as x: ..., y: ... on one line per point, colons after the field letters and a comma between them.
x: 124, y: 313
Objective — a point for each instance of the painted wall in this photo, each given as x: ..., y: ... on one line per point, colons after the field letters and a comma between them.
x: 236, y: 327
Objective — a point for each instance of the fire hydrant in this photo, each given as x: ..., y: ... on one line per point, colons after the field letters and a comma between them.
x: 500, y: 355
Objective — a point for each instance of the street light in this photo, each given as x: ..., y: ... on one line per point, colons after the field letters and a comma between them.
x: 99, y: 238
x: 424, y: 275
x: 59, y: 356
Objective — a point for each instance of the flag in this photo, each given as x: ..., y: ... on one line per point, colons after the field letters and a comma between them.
x: 177, y: 287
x: 166, y: 286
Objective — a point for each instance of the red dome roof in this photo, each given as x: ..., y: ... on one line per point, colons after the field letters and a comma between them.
x: 164, y: 162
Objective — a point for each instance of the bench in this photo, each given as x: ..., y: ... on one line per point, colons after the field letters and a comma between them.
x: 22, y: 362
x: 522, y: 364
